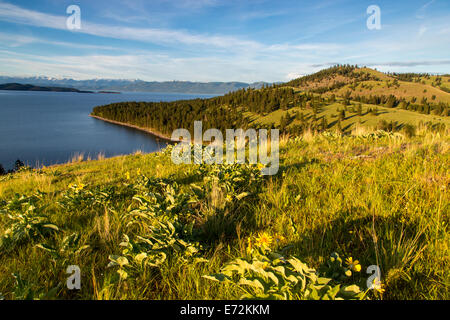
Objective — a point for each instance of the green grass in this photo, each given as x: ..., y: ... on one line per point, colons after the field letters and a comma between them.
x: 405, y: 90
x: 380, y: 200
x: 352, y: 120
x: 445, y: 81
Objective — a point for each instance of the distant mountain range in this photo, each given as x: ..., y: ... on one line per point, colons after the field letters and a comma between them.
x: 135, y: 85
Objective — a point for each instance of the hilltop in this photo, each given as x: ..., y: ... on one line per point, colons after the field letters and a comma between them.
x: 361, y: 82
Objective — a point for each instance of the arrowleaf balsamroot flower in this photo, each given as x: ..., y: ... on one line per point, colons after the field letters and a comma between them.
x: 263, y: 240
x: 378, y: 286
x: 353, y: 265
x: 249, y: 246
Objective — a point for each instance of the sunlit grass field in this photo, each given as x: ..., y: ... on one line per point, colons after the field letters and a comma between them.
x: 352, y: 121
x: 381, y: 199
x: 404, y: 90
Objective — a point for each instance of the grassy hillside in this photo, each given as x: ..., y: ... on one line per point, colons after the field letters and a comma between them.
x: 404, y: 90
x: 366, y: 81
x: 352, y: 120
x: 379, y: 198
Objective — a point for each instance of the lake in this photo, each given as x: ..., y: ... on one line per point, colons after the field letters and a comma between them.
x: 45, y: 128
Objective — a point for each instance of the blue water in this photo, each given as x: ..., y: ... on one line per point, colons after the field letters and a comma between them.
x: 45, y: 128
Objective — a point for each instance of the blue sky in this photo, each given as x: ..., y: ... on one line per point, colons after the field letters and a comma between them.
x: 220, y: 40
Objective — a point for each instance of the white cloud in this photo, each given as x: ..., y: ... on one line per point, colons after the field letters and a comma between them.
x: 16, y: 40
x: 294, y: 75
x: 15, y: 14
x: 12, y: 13
x: 261, y: 14
x: 422, y: 10
x: 150, y: 66
x: 422, y: 31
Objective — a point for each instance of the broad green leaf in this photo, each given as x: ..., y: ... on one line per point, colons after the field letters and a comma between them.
x: 51, y: 226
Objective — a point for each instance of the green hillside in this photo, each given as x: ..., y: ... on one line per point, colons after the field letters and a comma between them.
x: 140, y: 227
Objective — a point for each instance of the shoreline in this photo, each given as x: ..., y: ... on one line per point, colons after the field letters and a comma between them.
x: 152, y: 132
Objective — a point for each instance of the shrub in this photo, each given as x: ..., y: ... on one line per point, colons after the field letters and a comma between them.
x: 409, y: 130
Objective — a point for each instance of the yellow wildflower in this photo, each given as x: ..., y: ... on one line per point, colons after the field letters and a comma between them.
x: 229, y: 198
x: 264, y: 240
x: 127, y: 175
x: 353, y: 265
x: 378, y: 286
x: 260, y: 166
x: 249, y: 246
x: 139, y: 171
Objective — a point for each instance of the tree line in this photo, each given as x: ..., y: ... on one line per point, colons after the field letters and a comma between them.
x: 17, y: 166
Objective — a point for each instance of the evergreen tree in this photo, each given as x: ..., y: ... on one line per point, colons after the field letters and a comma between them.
x: 339, y: 126
x: 324, y: 124
x: 360, y: 109
x: 342, y: 115
x: 18, y: 164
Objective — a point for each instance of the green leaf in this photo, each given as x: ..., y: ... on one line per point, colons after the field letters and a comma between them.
x: 242, y: 195
x: 352, y: 289
x: 334, y: 291
x: 323, y: 281
x: 45, y: 247
x: 140, y: 257
x: 200, y: 260
x: 117, y: 261
x: 51, y: 226
x: 299, y: 266
x: 255, y: 283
